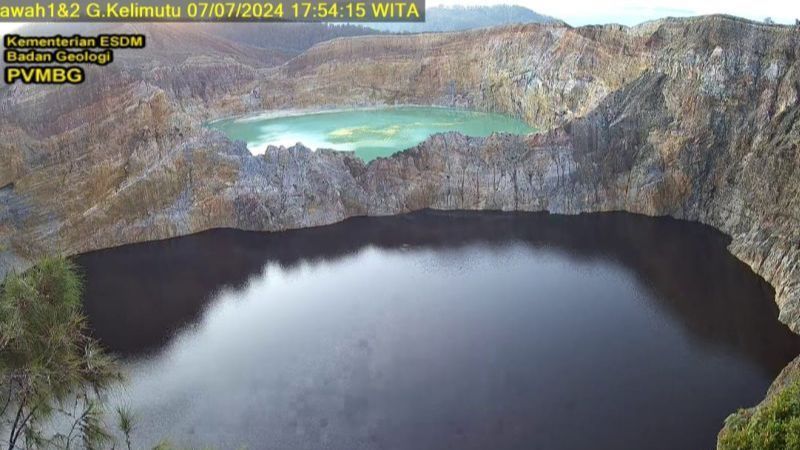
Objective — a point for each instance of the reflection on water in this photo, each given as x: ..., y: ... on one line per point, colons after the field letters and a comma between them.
x: 370, y: 133
x: 439, y: 330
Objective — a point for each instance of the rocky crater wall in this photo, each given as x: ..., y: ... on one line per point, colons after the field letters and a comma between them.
x: 693, y: 118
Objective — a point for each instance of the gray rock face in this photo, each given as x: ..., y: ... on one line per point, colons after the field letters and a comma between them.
x: 693, y: 118
x: 700, y: 123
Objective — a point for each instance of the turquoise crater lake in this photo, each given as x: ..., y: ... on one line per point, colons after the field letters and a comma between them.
x: 370, y: 133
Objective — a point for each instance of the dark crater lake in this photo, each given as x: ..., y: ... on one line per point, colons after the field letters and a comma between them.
x: 439, y: 330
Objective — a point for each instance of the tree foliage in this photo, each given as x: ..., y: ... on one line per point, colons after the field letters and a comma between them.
x: 775, y: 425
x: 52, y: 374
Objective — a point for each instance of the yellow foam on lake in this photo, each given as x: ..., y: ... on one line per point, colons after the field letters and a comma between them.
x: 353, y: 133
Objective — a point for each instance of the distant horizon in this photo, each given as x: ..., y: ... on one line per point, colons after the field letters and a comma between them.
x: 634, y: 12
x: 625, y: 12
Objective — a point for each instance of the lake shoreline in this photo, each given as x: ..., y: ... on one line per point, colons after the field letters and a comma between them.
x: 717, y: 314
x: 368, y: 133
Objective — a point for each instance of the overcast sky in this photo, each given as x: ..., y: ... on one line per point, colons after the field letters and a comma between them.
x: 629, y: 12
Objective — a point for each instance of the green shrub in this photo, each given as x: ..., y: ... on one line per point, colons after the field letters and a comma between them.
x: 775, y: 425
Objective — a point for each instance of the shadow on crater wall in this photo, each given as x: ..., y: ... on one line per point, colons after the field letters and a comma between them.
x: 138, y: 296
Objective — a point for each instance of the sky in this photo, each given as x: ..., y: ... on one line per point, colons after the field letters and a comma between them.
x: 632, y: 12
x: 627, y: 12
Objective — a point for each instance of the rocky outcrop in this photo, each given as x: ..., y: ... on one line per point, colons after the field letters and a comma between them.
x: 691, y: 118
x: 543, y: 74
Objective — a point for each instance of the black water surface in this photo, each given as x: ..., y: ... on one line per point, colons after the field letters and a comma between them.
x: 439, y: 330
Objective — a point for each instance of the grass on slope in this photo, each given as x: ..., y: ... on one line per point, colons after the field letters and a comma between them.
x: 775, y: 425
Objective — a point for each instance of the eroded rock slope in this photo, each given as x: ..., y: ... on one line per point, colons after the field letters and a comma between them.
x: 691, y: 118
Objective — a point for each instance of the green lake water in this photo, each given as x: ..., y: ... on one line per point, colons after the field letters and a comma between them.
x: 370, y: 133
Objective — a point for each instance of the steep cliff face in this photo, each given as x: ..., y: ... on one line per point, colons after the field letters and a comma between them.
x: 692, y: 118
x: 544, y: 74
